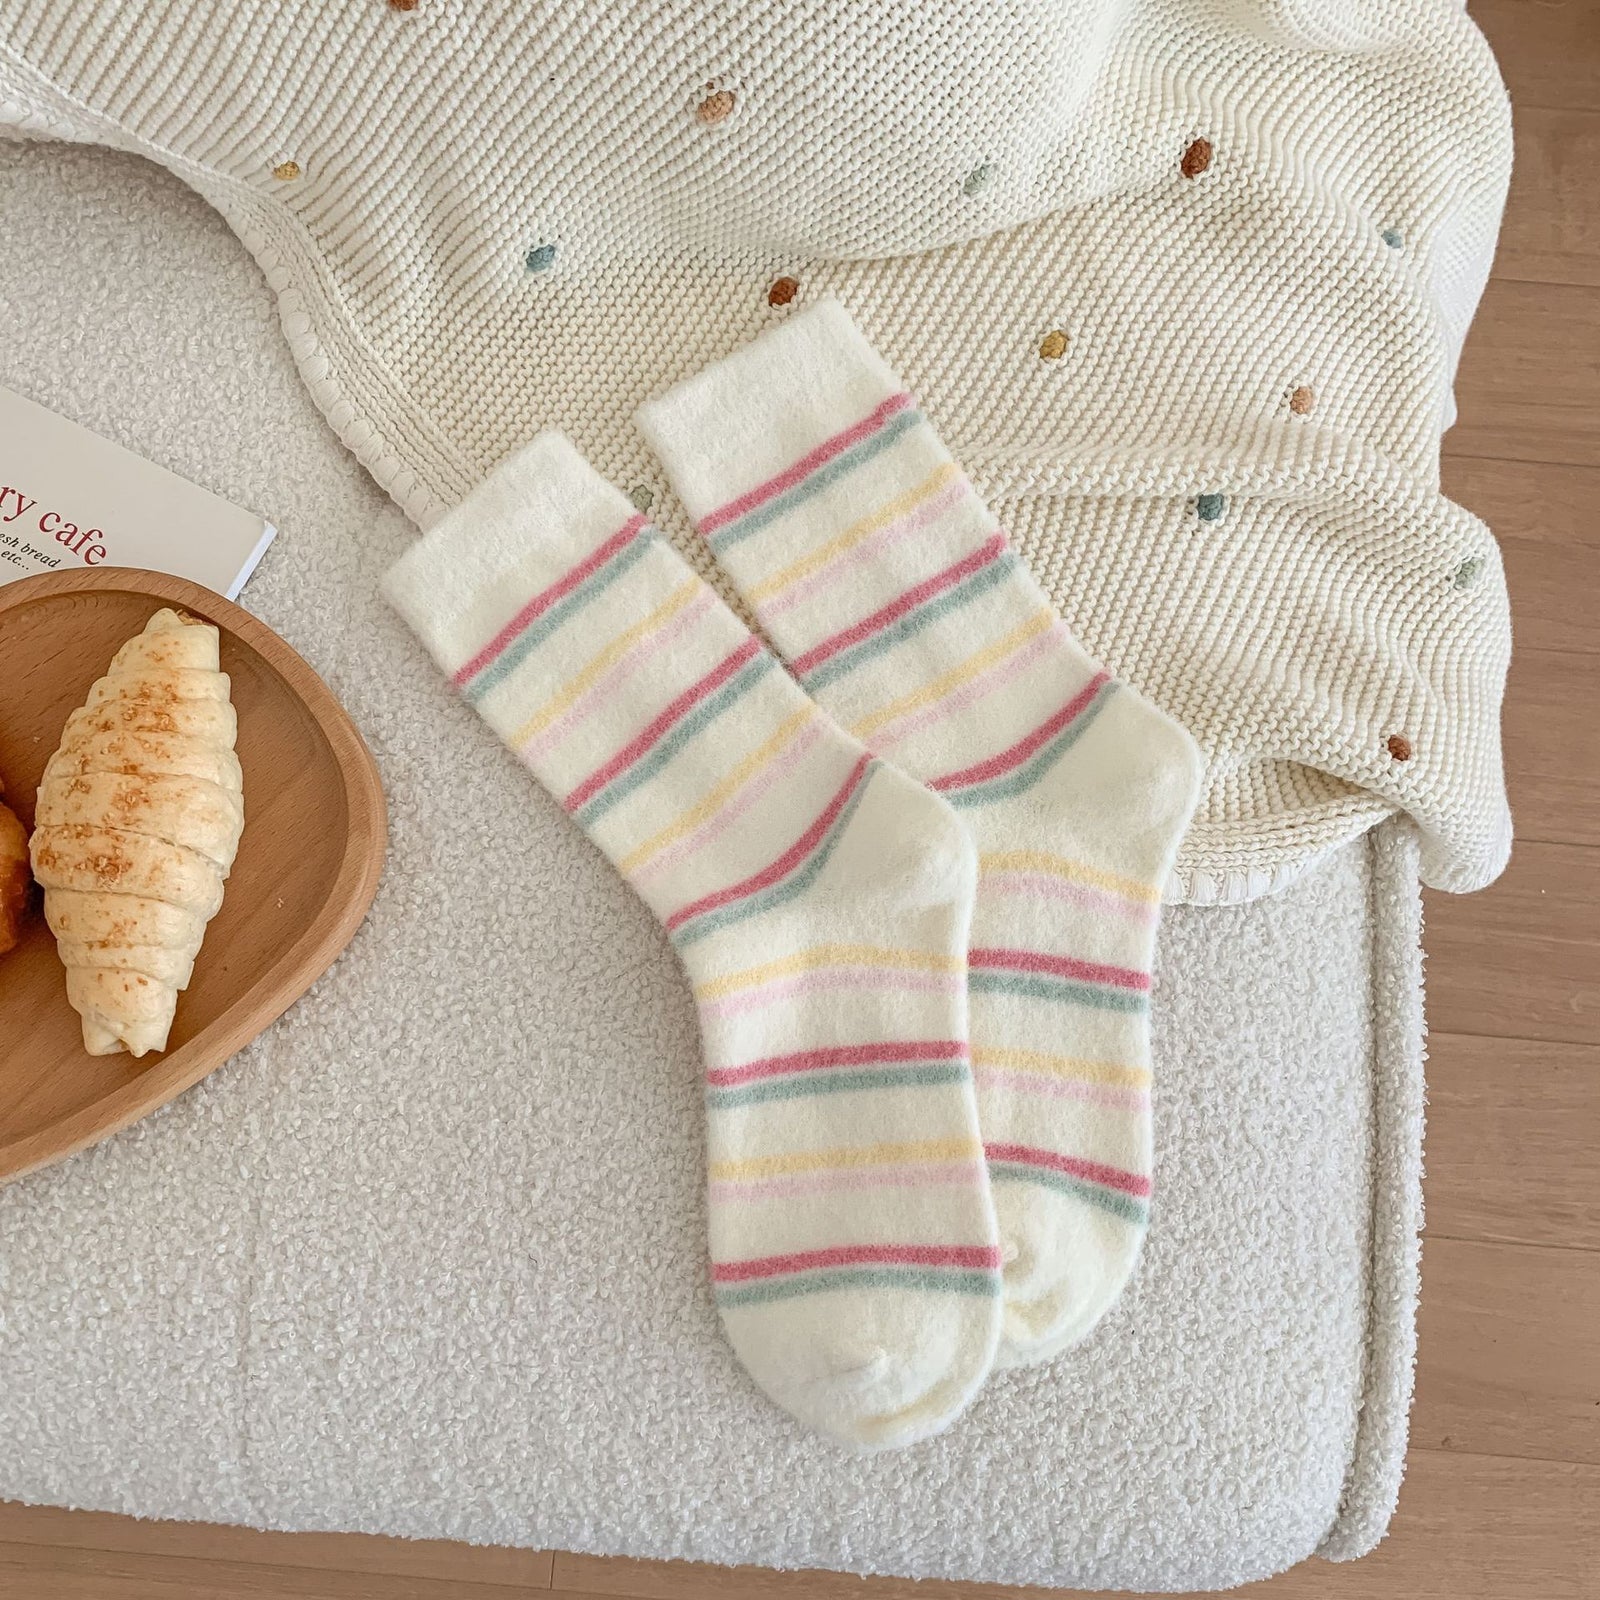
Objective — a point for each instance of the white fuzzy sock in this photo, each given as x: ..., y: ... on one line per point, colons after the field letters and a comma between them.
x: 819, y: 900
x: 896, y: 600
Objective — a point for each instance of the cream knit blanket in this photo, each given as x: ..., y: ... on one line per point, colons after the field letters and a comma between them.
x: 1182, y: 282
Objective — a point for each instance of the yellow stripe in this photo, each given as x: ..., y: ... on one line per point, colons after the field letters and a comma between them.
x: 852, y: 536
x: 830, y: 955
x: 669, y: 608
x: 844, y: 1157
x: 956, y: 676
x: 1072, y: 871
x: 713, y: 802
x: 1061, y: 1066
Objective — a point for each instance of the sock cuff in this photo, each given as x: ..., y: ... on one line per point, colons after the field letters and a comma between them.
x: 732, y: 436
x: 539, y: 515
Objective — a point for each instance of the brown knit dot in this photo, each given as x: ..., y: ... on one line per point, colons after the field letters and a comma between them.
x: 715, y: 107
x: 1399, y: 747
x: 1053, y: 346
x: 286, y: 171
x: 1302, y: 400
x: 1196, y: 158
x: 402, y: 5
x: 783, y: 291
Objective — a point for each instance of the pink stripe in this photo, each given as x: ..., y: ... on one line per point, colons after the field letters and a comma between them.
x: 839, y: 1055
x: 1039, y: 886
x: 984, y: 684
x: 1074, y: 1166
x: 978, y: 1257
x: 1058, y: 967
x: 1023, y: 748
x: 874, y: 978
x: 944, y: 1174
x: 546, y: 598
x: 989, y: 551
x: 612, y: 680
x: 890, y: 534
x: 805, y: 466
x: 736, y: 807
x: 635, y: 748
x: 1093, y: 1094
x: 785, y: 864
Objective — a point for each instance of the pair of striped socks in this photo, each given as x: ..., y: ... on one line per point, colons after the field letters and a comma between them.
x: 914, y: 879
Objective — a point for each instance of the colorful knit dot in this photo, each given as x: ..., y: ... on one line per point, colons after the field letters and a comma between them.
x: 716, y: 106
x: 1393, y: 238
x: 1302, y: 400
x: 1467, y: 573
x: 1053, y: 346
x: 642, y: 496
x: 286, y: 171
x: 1196, y: 158
x: 1399, y: 747
x: 977, y: 180
x: 541, y: 258
x: 1209, y: 507
x: 783, y: 291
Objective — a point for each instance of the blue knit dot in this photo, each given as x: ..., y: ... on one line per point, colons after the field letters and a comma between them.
x: 1209, y: 507
x: 541, y: 258
x: 1393, y: 238
x: 977, y: 180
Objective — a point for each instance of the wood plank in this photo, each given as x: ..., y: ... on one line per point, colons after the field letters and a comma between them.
x: 1512, y: 1156
x: 1552, y: 748
x: 692, y: 1580
x: 1510, y: 1351
x: 348, y: 1552
x: 1529, y: 384
x: 1551, y: 232
x: 1545, y: 519
x: 1470, y: 1528
x: 63, y: 1572
x: 1519, y: 960
x: 1547, y: 50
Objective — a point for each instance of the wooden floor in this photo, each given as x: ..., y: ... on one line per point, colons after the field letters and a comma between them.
x: 1502, y: 1493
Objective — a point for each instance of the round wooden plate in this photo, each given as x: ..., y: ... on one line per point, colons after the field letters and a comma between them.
x: 307, y: 867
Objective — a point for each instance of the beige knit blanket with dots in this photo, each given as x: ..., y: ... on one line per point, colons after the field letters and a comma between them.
x: 1182, y: 282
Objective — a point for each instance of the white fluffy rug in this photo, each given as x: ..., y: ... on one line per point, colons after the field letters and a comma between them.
x: 427, y: 1258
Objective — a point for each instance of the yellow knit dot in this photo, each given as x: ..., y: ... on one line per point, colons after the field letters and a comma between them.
x: 286, y: 171
x: 1053, y: 346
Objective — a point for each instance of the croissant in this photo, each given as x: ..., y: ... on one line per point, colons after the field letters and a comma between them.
x: 138, y: 820
x: 15, y: 884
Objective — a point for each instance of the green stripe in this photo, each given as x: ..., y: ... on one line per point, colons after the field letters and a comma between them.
x: 928, y: 1280
x: 701, y: 717
x: 1024, y: 778
x: 841, y: 466
x: 1126, y: 1206
x: 979, y: 582
x: 795, y: 884
x: 536, y: 633
x: 799, y: 1084
x: 1040, y: 986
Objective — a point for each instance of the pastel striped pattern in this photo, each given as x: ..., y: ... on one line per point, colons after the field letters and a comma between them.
x: 1014, y: 771
x: 836, y: 458
x: 908, y: 614
x: 648, y: 751
x: 838, y: 1069
x: 905, y: 612
x: 1124, y: 1194
x: 1062, y: 980
x: 540, y: 617
x: 783, y: 879
x: 829, y: 969
x: 942, y: 1269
